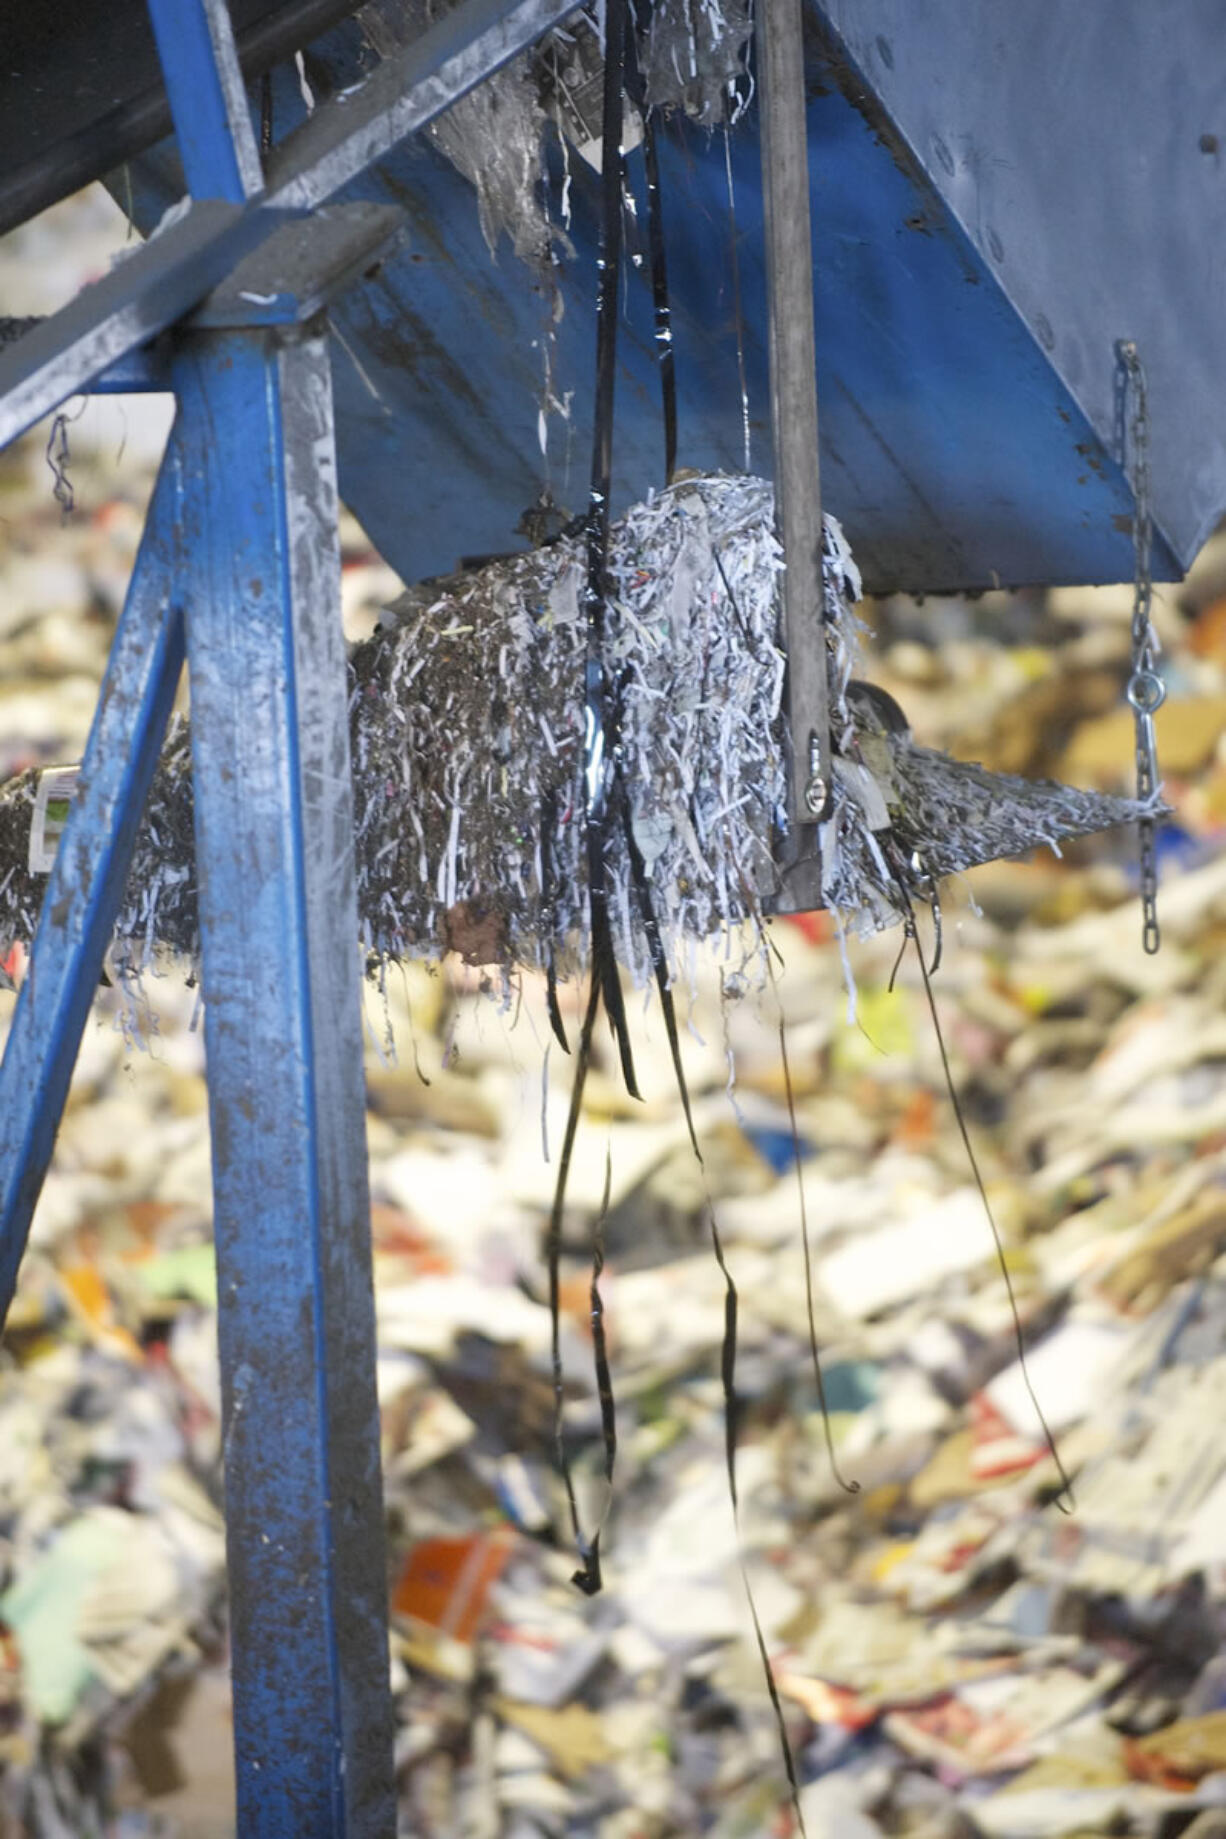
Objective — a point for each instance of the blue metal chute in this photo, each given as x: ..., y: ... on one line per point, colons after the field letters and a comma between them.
x: 973, y: 269
x: 967, y: 403
x: 1081, y: 149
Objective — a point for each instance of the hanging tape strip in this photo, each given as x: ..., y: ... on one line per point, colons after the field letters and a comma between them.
x: 600, y: 1348
x: 588, y: 1577
x: 659, y: 295
x: 601, y: 724
x: 637, y: 89
x: 727, y: 1362
x: 1065, y: 1499
x: 549, y: 825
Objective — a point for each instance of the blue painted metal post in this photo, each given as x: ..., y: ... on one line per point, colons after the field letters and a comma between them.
x: 208, y: 100
x: 278, y: 908
x: 274, y: 838
x: 90, y: 872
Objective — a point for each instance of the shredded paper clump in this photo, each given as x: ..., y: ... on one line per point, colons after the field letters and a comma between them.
x: 694, y: 52
x: 693, y: 58
x: 466, y: 729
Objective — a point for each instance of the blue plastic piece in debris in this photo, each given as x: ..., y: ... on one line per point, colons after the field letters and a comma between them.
x: 776, y: 1147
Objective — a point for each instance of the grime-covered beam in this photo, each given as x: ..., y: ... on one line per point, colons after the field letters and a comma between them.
x: 178, y: 268
x: 793, y: 375
x: 275, y: 862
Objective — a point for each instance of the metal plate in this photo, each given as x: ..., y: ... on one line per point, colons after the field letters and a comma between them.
x: 1081, y: 148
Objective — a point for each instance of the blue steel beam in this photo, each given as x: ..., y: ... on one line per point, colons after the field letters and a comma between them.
x: 243, y: 522
x: 462, y: 47
x: 278, y: 906
x: 162, y: 282
x: 273, y: 801
x: 208, y: 99
x: 90, y: 872
x: 147, y: 292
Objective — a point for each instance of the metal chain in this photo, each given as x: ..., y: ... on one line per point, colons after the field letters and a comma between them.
x: 1146, y: 690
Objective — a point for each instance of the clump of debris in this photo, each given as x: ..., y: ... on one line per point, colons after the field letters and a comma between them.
x: 467, y: 744
x: 694, y: 54
x: 692, y: 59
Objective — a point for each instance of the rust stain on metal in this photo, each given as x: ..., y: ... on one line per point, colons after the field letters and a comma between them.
x: 1093, y: 456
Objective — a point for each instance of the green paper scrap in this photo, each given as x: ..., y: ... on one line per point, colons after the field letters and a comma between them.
x: 43, y: 1608
x: 183, y: 1271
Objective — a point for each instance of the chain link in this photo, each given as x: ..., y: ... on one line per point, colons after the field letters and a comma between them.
x: 1146, y: 690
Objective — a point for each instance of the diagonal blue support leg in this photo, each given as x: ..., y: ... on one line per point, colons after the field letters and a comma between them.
x: 205, y: 88
x: 274, y: 840
x: 90, y: 872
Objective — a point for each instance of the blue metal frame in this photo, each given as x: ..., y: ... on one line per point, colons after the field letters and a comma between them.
x: 240, y: 568
x: 241, y: 553
x: 208, y: 100
x: 90, y: 872
x: 175, y: 271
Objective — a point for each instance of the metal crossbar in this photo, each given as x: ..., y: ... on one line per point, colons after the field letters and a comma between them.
x: 177, y: 269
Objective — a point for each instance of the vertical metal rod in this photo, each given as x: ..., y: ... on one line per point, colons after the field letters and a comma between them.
x: 274, y: 839
x: 208, y: 100
x: 91, y: 870
x: 789, y: 275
